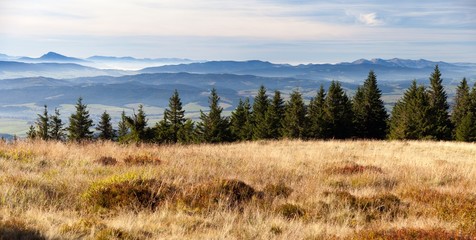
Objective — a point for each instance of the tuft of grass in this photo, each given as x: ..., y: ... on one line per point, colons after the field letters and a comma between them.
x: 141, y: 160
x: 410, y: 234
x: 21, y: 155
x: 291, y: 211
x: 106, y: 161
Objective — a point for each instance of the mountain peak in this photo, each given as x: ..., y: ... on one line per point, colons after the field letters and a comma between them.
x: 53, y: 55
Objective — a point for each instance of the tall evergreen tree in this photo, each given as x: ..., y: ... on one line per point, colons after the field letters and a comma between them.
x: 316, y: 116
x: 275, y: 116
x: 462, y: 103
x: 370, y: 115
x: 338, y: 113
x: 43, y: 125
x: 174, y: 117
x: 187, y: 134
x: 240, y: 122
x: 122, y: 128
x: 80, y: 123
x: 466, y: 130
x: 105, y: 129
x: 441, y: 125
x: 137, y: 125
x: 260, y: 106
x: 213, y: 128
x: 56, y: 128
x: 411, y: 115
x: 294, y: 117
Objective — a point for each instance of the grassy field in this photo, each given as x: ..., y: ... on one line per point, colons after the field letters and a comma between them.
x: 258, y: 190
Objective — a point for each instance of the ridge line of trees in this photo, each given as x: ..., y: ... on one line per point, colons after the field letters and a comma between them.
x: 422, y: 113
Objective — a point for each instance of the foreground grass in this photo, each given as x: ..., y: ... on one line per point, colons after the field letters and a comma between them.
x: 258, y: 190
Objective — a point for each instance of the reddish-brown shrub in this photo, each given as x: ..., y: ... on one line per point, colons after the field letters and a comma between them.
x: 353, y: 168
x: 141, y: 160
x: 106, y: 161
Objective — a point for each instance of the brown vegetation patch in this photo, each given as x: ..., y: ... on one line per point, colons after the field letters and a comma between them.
x: 133, y: 194
x: 290, y: 211
x: 410, y: 234
x: 226, y: 193
x: 279, y: 190
x: 387, y: 206
x: 141, y: 160
x: 106, y: 161
x: 350, y: 168
x: 18, y: 229
x: 459, y: 208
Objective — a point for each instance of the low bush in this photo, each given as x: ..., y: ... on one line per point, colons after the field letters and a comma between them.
x: 128, y: 192
x: 226, y: 193
x: 350, y: 168
x: 279, y: 190
x: 410, y: 234
x: 141, y: 160
x: 290, y: 211
x: 18, y: 229
x: 106, y: 161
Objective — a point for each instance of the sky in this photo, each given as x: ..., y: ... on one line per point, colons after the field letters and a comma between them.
x: 281, y: 31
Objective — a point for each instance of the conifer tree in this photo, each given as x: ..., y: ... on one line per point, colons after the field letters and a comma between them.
x: 122, y: 128
x: 441, y: 125
x: 462, y: 103
x: 316, y: 116
x: 466, y: 130
x: 106, y: 132
x: 31, y: 134
x: 56, y: 128
x: 137, y: 125
x: 240, y: 122
x: 294, y: 117
x: 338, y: 113
x: 370, y: 115
x: 275, y: 116
x: 411, y: 115
x: 213, y: 128
x: 187, y: 134
x: 80, y: 123
x: 174, y: 117
x: 43, y: 125
x: 260, y: 106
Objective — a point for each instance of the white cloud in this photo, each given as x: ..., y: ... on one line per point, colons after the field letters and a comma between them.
x: 370, y: 19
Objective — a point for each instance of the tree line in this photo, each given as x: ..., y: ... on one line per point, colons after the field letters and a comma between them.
x: 422, y: 113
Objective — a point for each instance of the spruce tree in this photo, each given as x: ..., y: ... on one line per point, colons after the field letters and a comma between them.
x: 294, y: 117
x: 411, y: 115
x: 213, y: 128
x: 137, y: 125
x: 174, y: 117
x: 275, y: 116
x: 122, y: 128
x: 370, y: 115
x: 240, y: 122
x: 43, y: 125
x: 338, y: 113
x: 462, y: 103
x: 31, y: 134
x: 187, y: 134
x: 80, y: 123
x: 106, y: 132
x: 441, y: 125
x: 466, y: 130
x: 260, y: 106
x: 316, y: 116
x: 56, y: 128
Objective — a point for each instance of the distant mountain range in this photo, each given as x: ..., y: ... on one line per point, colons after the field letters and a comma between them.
x: 121, y: 83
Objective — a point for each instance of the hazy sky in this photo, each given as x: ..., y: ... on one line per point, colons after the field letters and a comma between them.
x: 299, y: 31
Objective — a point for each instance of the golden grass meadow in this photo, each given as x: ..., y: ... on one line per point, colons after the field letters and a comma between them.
x: 251, y: 190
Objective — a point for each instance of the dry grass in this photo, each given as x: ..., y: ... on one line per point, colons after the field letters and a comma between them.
x: 256, y: 190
